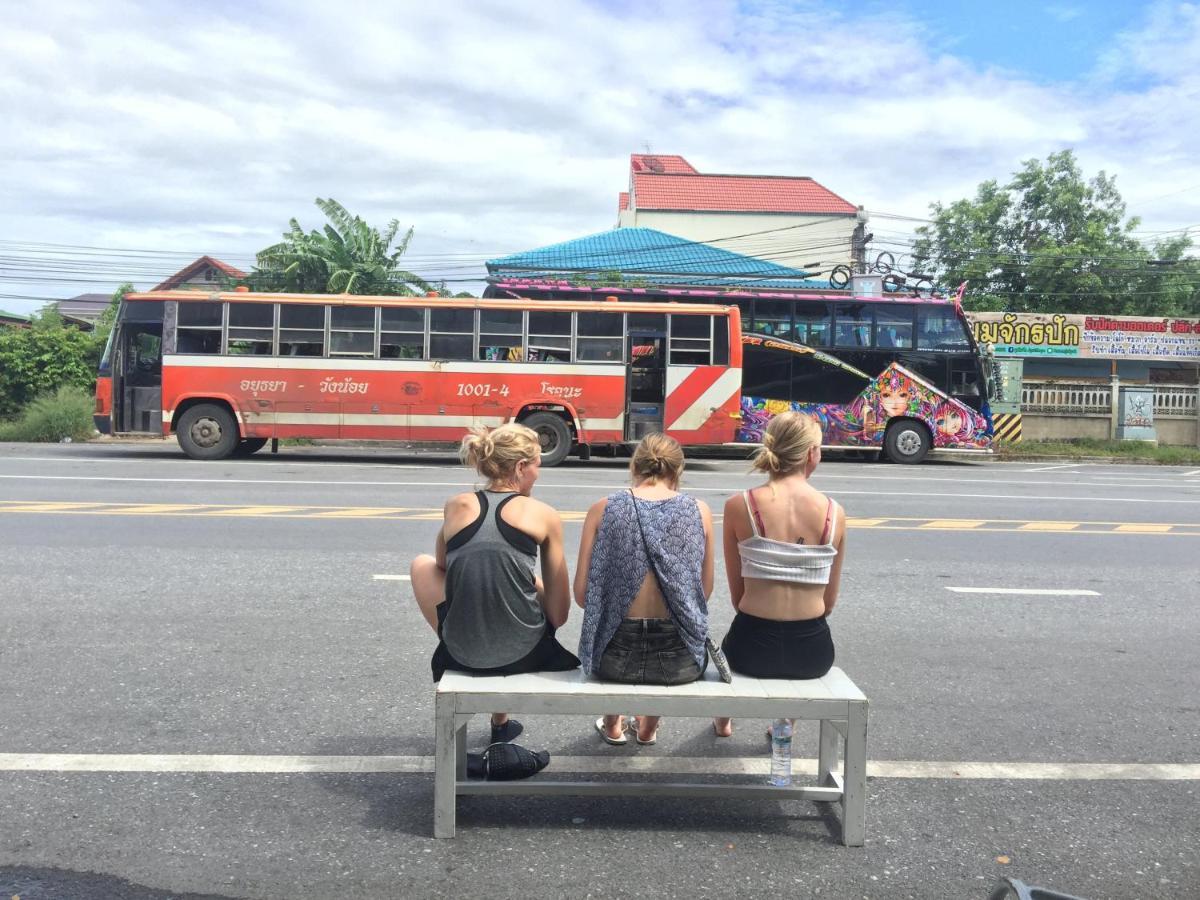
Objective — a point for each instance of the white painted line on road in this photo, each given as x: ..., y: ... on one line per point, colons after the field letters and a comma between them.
x: 260, y: 462
x: 1052, y: 468
x: 1193, y: 472
x: 468, y: 483
x: 392, y: 577
x: 223, y: 764
x: 1036, y: 592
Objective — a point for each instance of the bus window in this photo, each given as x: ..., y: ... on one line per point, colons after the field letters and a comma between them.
x: 853, y: 328
x: 301, y: 329
x: 814, y: 381
x: 766, y: 373
x: 199, y: 328
x: 812, y: 324
x: 691, y: 340
x: 352, y: 331
x: 251, y: 329
x: 894, y: 327
x: 598, y: 336
x: 451, y: 333
x: 938, y: 328
x: 401, y: 333
x: 500, y: 334
x: 549, y: 336
x: 773, y: 317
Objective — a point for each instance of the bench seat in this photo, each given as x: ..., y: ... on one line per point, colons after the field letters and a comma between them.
x: 834, y: 701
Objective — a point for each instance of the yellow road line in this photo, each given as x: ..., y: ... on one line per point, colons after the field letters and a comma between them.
x: 865, y: 523
x: 1050, y: 526
x: 251, y: 511
x: 361, y: 512
x: 955, y: 524
x: 1144, y: 529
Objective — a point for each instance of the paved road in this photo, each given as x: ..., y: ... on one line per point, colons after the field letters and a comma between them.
x: 158, y: 614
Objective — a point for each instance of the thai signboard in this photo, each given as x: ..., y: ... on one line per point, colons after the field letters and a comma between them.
x: 1087, y: 337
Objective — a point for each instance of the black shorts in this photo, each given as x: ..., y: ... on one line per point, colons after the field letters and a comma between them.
x: 548, y: 655
x: 648, y: 651
x: 768, y: 648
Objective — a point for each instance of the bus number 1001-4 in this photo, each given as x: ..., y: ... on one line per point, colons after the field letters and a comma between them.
x: 482, y: 390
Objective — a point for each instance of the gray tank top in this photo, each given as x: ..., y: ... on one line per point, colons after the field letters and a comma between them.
x: 493, y: 616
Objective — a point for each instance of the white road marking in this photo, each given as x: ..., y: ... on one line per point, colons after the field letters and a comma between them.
x: 222, y: 764
x: 1193, y: 472
x: 392, y: 577
x: 469, y: 483
x: 1036, y: 592
x: 1052, y: 468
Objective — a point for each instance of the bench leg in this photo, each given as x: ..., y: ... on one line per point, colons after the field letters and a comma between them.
x: 460, y: 746
x: 854, y: 776
x: 827, y: 754
x: 445, y: 766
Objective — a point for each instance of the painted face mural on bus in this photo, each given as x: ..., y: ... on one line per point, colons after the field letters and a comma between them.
x: 863, y: 421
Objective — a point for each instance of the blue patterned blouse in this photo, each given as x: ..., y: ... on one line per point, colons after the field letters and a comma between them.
x: 675, y: 536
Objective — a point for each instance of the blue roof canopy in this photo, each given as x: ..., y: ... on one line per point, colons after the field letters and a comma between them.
x: 626, y: 255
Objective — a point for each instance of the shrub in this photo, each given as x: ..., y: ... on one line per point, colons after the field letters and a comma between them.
x: 51, y: 417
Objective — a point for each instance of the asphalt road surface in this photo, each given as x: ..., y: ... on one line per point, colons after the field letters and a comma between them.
x: 214, y: 683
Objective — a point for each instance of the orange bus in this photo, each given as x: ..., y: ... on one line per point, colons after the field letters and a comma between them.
x: 226, y: 372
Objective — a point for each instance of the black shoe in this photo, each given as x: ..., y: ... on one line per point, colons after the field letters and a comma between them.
x: 506, y: 732
x: 508, y: 762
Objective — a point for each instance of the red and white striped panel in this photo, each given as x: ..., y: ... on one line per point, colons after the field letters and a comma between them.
x: 702, y: 403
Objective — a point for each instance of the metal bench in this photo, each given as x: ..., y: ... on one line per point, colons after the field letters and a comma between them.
x: 834, y: 701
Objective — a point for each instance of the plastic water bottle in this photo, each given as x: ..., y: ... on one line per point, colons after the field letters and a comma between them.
x: 781, y: 753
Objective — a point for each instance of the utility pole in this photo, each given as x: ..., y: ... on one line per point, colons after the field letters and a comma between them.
x: 858, y: 243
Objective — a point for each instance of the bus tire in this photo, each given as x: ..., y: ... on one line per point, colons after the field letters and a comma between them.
x: 907, y: 441
x: 249, y: 446
x: 208, y: 431
x: 553, y: 435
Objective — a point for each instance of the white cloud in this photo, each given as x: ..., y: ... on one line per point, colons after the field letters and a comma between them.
x: 494, y: 127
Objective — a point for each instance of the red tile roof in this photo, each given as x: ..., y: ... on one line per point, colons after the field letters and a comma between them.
x: 204, y: 262
x: 736, y: 193
x: 671, y: 183
x: 622, y: 201
x: 661, y: 165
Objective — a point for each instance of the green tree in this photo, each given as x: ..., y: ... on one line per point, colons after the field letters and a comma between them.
x: 347, y: 256
x: 42, y: 358
x: 1052, y: 241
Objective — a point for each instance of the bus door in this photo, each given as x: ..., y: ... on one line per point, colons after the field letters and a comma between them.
x: 137, y: 376
x: 646, y: 382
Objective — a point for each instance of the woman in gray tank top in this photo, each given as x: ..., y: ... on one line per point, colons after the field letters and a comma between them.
x: 479, y: 591
x: 644, y: 576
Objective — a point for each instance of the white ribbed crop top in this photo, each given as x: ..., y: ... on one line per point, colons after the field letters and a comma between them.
x: 771, y: 560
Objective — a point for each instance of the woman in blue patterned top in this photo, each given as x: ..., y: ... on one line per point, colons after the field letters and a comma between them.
x: 638, y: 629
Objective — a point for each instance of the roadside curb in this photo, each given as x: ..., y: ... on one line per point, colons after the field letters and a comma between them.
x: 1110, y: 460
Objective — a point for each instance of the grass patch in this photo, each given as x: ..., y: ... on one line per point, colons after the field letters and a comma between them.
x: 1080, y: 448
x: 67, y: 413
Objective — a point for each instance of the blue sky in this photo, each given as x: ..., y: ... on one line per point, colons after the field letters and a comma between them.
x: 1048, y: 42
x: 495, y: 126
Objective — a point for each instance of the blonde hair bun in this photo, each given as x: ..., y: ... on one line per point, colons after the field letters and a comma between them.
x: 657, y: 456
x: 789, y: 438
x: 495, y: 452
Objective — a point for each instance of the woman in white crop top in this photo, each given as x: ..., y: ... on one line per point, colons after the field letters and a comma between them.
x: 784, y: 546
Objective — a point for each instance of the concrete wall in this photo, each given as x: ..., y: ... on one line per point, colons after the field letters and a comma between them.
x: 1176, y: 432
x: 1063, y: 428
x: 828, y: 239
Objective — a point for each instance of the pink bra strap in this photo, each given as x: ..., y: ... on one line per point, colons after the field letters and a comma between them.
x: 830, y: 523
x: 756, y: 521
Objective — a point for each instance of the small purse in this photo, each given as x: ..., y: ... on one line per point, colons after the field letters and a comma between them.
x: 715, y: 653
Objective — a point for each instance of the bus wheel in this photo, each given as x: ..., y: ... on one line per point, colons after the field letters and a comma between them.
x: 207, y: 431
x: 906, y: 441
x: 249, y: 446
x: 553, y: 435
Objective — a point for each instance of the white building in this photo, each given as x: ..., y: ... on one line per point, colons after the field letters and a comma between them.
x: 789, y: 220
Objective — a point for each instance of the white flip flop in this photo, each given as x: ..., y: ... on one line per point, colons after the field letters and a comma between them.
x: 603, y: 732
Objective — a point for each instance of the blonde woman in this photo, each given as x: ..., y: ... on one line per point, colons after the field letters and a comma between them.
x: 644, y: 576
x: 478, y: 591
x: 784, y: 545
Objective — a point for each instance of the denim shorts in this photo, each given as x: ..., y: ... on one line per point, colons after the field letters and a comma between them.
x: 648, y: 651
